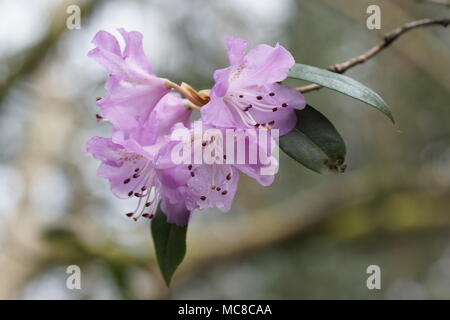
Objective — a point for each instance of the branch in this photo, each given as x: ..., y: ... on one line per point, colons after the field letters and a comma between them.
x: 439, y: 2
x: 23, y: 64
x: 389, y: 38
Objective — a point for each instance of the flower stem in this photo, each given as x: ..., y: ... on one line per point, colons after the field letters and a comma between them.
x: 197, y: 99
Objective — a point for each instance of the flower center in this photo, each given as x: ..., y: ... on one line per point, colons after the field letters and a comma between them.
x: 246, y: 103
x: 217, y: 184
x: 145, y: 188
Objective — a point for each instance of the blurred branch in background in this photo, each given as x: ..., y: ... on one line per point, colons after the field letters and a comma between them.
x: 389, y: 38
x: 22, y: 241
x: 265, y: 232
x: 26, y: 62
x: 438, y: 2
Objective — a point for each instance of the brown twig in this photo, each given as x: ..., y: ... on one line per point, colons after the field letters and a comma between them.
x: 389, y: 38
x: 439, y: 2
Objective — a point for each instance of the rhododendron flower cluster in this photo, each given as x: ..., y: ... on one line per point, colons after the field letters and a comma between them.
x: 147, y: 112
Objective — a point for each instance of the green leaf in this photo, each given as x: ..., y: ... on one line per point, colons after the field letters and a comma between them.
x: 340, y: 83
x: 315, y: 142
x: 170, y: 244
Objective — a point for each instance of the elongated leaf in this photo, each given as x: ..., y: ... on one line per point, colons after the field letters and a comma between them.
x: 340, y: 83
x: 170, y: 244
x: 315, y: 142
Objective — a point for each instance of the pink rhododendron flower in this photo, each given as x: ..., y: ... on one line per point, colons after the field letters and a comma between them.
x: 153, y: 130
x: 133, y: 91
x: 133, y: 175
x: 129, y: 162
x: 138, y: 157
x: 247, y: 95
x: 214, y: 184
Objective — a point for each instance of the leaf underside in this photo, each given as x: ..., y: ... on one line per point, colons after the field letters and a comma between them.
x: 315, y: 143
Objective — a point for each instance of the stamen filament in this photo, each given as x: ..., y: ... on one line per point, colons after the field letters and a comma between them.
x: 189, y: 93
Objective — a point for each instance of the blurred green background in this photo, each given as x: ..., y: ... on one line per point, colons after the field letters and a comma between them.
x: 307, y: 236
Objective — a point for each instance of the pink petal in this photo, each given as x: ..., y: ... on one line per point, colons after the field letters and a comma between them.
x: 175, y: 212
x: 217, y: 113
x: 236, y: 49
x: 106, y: 41
x: 221, y: 77
x: 110, y: 61
x: 118, y: 166
x: 138, y: 99
x: 134, y: 50
x: 200, y: 194
x: 266, y: 65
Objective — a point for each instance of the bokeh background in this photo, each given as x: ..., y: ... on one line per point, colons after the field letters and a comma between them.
x: 307, y: 236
